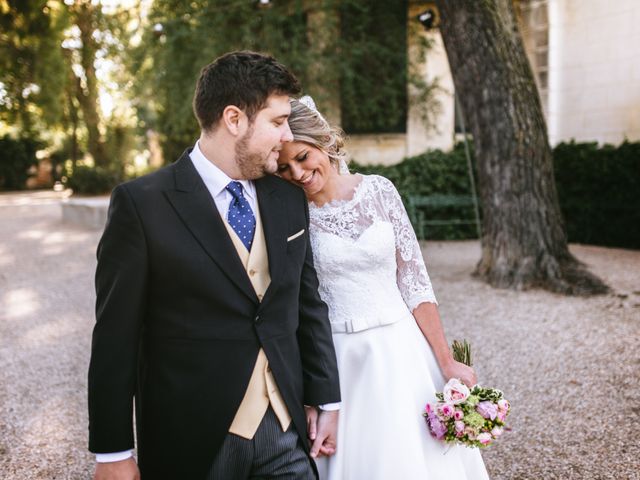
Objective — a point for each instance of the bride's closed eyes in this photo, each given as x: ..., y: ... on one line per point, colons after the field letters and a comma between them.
x: 301, y: 157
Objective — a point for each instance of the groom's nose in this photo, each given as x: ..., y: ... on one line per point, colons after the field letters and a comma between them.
x: 287, y: 136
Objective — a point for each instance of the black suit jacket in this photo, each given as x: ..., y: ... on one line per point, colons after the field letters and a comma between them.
x: 179, y: 325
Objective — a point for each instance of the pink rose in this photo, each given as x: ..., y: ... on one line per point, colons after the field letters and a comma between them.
x: 502, y: 415
x: 487, y: 409
x: 503, y: 404
x: 496, y: 431
x: 459, y: 426
x: 484, y: 438
x: 455, y: 392
x: 438, y: 429
x: 447, y: 410
x: 458, y: 415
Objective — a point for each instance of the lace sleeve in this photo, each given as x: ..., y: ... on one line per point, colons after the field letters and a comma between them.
x: 412, y: 277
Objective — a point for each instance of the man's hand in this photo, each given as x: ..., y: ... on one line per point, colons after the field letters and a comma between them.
x: 312, y: 422
x: 326, y: 433
x: 122, y: 470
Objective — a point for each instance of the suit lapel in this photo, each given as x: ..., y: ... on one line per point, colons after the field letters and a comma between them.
x: 274, y: 223
x: 193, y: 203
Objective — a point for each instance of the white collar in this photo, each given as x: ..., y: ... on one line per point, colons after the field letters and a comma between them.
x: 214, y: 178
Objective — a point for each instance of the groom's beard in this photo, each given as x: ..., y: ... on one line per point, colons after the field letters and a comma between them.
x: 252, y: 165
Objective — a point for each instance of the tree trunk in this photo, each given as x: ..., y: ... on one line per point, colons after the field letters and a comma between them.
x: 87, y: 91
x: 74, y: 134
x: 71, y: 112
x: 524, y: 243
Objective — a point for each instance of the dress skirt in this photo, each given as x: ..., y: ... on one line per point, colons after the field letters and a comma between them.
x: 387, y: 375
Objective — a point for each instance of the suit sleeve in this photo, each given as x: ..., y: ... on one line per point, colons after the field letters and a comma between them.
x: 121, y: 282
x: 321, y: 384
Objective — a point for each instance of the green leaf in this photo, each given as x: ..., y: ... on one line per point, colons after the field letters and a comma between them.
x: 462, y: 352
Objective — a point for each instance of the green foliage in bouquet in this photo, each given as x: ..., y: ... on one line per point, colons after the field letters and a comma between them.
x: 473, y: 419
x: 486, y: 394
x: 462, y: 352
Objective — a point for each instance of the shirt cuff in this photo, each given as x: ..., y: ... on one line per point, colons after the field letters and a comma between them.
x: 113, y: 457
x: 330, y: 407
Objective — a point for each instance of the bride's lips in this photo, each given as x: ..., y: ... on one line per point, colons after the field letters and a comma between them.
x: 308, y: 180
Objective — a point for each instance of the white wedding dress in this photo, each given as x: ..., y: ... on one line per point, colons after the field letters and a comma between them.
x: 372, y: 276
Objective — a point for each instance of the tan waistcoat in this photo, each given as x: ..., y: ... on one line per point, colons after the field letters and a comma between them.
x: 262, y: 389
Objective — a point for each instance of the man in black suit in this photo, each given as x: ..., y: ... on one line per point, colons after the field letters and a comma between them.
x: 207, y: 307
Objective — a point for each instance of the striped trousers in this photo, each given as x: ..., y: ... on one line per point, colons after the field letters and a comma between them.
x: 270, y: 454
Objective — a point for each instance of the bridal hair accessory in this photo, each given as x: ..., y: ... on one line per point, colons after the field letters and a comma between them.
x: 473, y: 417
x: 343, y: 168
x: 308, y: 102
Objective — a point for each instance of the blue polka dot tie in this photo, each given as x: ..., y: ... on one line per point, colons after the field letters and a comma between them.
x: 240, y: 215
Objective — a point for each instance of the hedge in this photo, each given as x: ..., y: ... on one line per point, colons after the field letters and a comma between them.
x: 17, y: 156
x: 598, y: 189
x: 85, y: 180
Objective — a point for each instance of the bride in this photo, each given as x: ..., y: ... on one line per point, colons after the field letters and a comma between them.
x: 392, y: 352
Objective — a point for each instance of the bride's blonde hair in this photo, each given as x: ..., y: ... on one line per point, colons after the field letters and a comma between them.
x: 308, y: 126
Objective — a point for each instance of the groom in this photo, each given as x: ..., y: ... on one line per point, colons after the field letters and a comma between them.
x: 208, y: 314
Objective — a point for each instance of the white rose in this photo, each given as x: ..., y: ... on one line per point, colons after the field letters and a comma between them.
x: 484, y: 438
x: 455, y: 392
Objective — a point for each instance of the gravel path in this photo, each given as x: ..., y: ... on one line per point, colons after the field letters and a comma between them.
x: 570, y: 366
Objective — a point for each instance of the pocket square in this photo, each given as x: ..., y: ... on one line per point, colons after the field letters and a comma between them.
x: 295, y: 235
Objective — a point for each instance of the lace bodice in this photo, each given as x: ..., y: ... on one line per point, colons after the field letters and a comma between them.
x: 367, y: 257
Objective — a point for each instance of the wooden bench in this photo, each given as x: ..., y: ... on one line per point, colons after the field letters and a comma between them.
x: 415, y: 209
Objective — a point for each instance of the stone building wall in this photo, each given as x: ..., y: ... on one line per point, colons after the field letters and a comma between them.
x: 585, y: 55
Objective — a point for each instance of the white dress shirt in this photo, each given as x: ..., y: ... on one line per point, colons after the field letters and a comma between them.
x: 216, y: 182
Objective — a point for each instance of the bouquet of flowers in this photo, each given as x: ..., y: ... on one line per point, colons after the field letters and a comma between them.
x: 473, y: 417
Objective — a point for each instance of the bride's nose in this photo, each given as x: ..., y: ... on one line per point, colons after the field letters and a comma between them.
x: 297, y: 171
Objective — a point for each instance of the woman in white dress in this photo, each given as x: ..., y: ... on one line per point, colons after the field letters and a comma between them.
x: 392, y: 352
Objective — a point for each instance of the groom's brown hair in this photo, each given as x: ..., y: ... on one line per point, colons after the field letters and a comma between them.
x: 244, y: 79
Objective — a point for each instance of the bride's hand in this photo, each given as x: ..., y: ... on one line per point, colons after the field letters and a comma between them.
x: 459, y: 370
